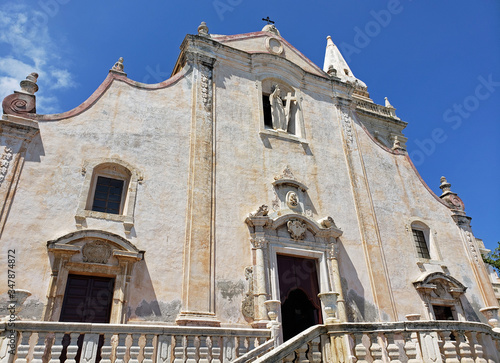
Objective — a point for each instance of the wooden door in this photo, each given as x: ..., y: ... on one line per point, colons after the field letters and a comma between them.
x: 87, y: 299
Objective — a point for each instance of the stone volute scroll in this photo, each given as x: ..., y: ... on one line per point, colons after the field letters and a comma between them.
x: 22, y: 103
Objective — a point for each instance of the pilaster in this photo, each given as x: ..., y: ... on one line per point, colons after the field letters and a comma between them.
x: 16, y: 133
x: 198, y: 285
x: 367, y: 220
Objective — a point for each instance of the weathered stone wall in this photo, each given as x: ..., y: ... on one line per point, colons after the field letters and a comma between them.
x: 372, y: 193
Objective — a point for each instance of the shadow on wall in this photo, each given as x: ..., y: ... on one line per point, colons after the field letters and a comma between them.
x: 144, y: 304
x: 357, y: 308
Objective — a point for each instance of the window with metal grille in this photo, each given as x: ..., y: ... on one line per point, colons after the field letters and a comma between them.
x: 421, y: 244
x: 107, y: 195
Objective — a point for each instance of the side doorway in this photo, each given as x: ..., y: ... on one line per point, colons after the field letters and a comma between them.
x: 87, y: 299
x: 299, y: 288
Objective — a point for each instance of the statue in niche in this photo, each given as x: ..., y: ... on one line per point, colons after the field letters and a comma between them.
x: 279, y: 115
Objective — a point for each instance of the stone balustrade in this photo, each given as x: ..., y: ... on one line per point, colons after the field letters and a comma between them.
x: 309, y: 346
x: 414, y: 341
x: 411, y: 342
x: 376, y: 109
x: 52, y: 342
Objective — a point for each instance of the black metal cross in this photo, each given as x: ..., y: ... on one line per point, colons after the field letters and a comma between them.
x: 269, y: 21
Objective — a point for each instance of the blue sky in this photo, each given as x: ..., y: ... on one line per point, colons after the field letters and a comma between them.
x: 438, y: 62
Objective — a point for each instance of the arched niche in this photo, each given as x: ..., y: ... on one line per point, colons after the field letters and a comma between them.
x: 92, y: 253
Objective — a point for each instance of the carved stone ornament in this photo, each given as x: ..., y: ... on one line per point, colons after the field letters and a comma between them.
x: 274, y: 46
x: 292, y: 200
x: 259, y: 242
x: 297, y: 229
x: 451, y: 199
x: 4, y: 163
x: 206, y: 84
x: 286, y: 174
x: 247, y: 305
x: 22, y: 102
x: 203, y: 29
x: 346, y: 124
x: 261, y: 212
x: 118, y: 66
x: 96, y: 252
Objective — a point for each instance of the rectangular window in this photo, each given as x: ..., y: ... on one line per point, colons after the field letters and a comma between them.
x: 268, y: 119
x: 422, y: 249
x: 443, y: 312
x: 108, y: 195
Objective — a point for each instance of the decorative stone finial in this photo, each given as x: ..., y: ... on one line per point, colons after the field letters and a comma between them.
x: 452, y: 199
x: 271, y: 28
x: 118, y: 67
x: 203, y: 30
x: 29, y: 85
x: 387, y: 103
x: 445, y: 186
x: 22, y: 102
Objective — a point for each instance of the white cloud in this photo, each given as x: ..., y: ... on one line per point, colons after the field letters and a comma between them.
x: 26, y: 46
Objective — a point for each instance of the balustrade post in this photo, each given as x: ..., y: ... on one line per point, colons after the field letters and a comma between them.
x: 57, y: 347
x: 203, y: 350
x: 360, y: 351
x: 411, y: 347
x: 477, y: 348
x: 72, y: 348
x: 148, y: 348
x: 179, y: 349
x: 314, y: 354
x: 375, y: 348
x: 39, y: 348
x: 164, y: 353
x: 134, y: 349
x: 191, y: 349
x: 241, y: 346
x: 301, y: 354
x: 24, y: 347
x: 216, y: 350
x: 449, y: 348
x: 106, y: 349
x: 121, y: 348
x: 392, y: 348
x: 289, y: 358
x: 464, y: 348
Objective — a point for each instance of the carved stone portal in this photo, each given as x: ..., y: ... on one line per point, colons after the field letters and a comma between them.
x: 96, y: 252
x: 297, y: 229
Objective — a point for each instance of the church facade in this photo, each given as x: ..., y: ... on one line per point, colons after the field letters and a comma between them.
x: 253, y: 204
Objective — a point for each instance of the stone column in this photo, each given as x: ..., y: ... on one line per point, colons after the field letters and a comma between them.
x: 333, y: 253
x: 368, y: 225
x: 257, y: 221
x: 260, y: 285
x: 198, y: 285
